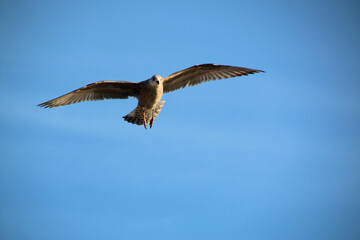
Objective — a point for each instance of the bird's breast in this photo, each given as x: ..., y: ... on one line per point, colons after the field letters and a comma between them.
x: 150, y: 96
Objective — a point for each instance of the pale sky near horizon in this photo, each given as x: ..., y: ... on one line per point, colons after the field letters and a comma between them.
x: 273, y: 155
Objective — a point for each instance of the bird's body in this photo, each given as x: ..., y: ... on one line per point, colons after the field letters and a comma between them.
x: 149, y: 104
x: 151, y: 92
x: 148, y: 92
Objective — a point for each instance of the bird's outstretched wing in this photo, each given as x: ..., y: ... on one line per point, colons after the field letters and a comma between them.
x: 96, y: 91
x: 202, y: 73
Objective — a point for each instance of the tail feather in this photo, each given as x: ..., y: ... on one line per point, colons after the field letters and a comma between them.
x: 137, y: 117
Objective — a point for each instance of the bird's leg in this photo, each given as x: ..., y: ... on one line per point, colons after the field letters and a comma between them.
x: 152, y: 119
x: 145, y: 121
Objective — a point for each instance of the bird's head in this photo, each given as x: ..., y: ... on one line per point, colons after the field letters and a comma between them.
x: 156, y: 79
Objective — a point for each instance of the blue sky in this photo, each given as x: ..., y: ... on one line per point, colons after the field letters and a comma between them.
x: 268, y: 156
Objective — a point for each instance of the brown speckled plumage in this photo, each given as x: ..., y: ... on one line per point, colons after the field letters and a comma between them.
x: 148, y: 92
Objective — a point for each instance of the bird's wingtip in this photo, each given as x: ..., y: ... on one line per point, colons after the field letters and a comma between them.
x: 44, y: 105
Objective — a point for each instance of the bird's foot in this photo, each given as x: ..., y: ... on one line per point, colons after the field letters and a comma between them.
x: 152, y: 120
x: 145, y: 121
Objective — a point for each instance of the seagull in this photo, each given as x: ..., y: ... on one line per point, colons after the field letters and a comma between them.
x: 150, y: 91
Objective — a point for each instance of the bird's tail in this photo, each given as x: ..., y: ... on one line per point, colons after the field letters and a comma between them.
x: 136, y: 116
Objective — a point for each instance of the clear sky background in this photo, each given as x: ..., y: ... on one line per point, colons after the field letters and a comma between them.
x: 267, y: 156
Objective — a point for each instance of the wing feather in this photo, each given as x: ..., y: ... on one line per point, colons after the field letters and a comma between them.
x: 202, y: 73
x: 96, y: 91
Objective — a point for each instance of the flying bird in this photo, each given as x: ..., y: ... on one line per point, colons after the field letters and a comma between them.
x: 150, y: 91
